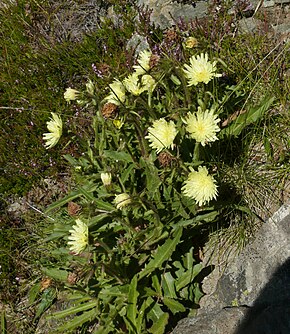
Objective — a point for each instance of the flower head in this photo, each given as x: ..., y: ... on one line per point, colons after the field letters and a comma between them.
x: 202, y: 126
x: 161, y: 135
x: 132, y: 84
x: 190, y: 42
x: 143, y: 62
x: 148, y: 82
x: 117, y: 95
x: 122, y: 200
x: 71, y: 94
x: 200, y: 70
x: 106, y: 178
x: 54, y: 127
x: 200, y: 186
x: 79, y: 237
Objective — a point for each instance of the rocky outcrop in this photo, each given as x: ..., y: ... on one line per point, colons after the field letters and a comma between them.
x: 253, y: 294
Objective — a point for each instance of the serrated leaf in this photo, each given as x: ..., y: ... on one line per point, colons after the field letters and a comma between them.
x: 34, y: 293
x: 117, y: 156
x: 58, y: 204
x: 168, y: 285
x: 197, y: 292
x: 247, y: 118
x: 160, y: 324
x: 187, y: 277
x: 77, y: 321
x: 73, y: 310
x: 162, y: 254
x: 188, y: 260
x: 125, y: 175
x: 156, y: 285
x: 154, y: 311
x: 47, y: 299
x: 140, y: 319
x: 132, y: 304
x: 57, y: 274
x: 173, y: 305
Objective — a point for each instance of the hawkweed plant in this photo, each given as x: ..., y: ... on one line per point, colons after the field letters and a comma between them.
x: 149, y: 179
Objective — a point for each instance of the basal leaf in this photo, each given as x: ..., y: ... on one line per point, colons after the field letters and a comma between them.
x: 77, y: 321
x: 156, y: 285
x: 153, y: 310
x: 47, y: 299
x: 117, y: 156
x: 34, y: 293
x: 173, y: 305
x: 249, y: 117
x: 73, y: 310
x: 57, y: 274
x: 160, y: 324
x: 187, y: 277
x: 162, y: 254
x: 168, y: 285
x: 132, y: 303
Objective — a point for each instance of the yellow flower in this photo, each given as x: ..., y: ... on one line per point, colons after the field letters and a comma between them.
x: 118, y: 123
x: 106, y: 178
x: 200, y: 186
x: 117, y: 95
x: 71, y: 94
x: 132, y: 84
x: 200, y: 70
x: 90, y: 87
x: 122, y: 200
x: 161, y: 135
x: 202, y: 126
x: 190, y: 42
x: 79, y: 237
x: 143, y: 62
x: 54, y: 127
x: 148, y: 82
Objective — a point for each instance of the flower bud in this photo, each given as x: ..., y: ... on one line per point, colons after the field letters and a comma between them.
x: 122, y: 200
x: 106, y: 178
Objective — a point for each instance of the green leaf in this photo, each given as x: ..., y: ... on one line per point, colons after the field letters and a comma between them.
x: 173, y: 305
x: 58, y: 204
x: 187, y: 277
x: 140, y: 319
x: 188, y: 260
x: 249, y: 117
x: 162, y: 254
x: 47, y: 299
x: 77, y: 321
x: 57, y: 274
x: 125, y: 175
x: 199, y: 219
x: 168, y: 285
x: 160, y: 324
x: 73, y: 310
x: 132, y: 304
x: 34, y: 293
x: 117, y: 156
x: 197, y: 292
x: 154, y: 311
x: 3, y: 323
x: 156, y: 285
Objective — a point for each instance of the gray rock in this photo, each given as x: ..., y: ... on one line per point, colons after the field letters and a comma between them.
x: 269, y: 3
x: 248, y: 25
x: 138, y: 43
x: 164, y: 12
x: 213, y: 322
x: 257, y: 282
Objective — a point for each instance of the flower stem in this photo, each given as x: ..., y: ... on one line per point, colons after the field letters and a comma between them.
x: 196, y: 152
